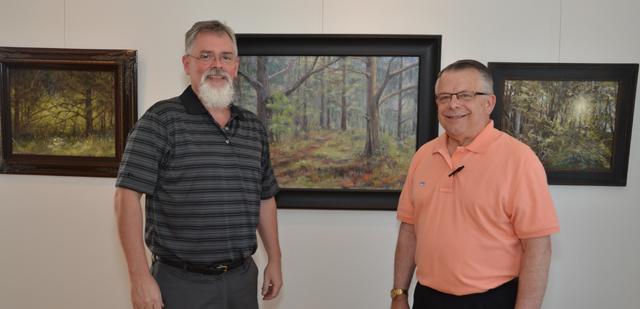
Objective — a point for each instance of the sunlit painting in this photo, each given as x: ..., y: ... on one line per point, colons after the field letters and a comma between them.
x: 62, y: 112
x: 569, y: 124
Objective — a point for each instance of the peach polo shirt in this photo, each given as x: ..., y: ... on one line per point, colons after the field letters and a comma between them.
x: 469, y: 226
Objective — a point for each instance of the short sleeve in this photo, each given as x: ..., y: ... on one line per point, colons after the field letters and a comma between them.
x: 406, y: 207
x: 269, y: 183
x: 143, y: 154
x: 533, y: 213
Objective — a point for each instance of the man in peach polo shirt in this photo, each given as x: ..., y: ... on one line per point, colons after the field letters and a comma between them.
x: 475, y: 210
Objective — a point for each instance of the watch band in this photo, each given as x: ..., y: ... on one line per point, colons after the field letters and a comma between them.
x: 395, y: 292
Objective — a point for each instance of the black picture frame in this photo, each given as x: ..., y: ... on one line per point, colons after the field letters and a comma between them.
x: 116, y: 71
x: 621, y: 80
x: 426, y: 47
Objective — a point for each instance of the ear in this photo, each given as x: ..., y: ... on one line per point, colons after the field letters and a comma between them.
x: 185, y: 64
x: 490, y: 103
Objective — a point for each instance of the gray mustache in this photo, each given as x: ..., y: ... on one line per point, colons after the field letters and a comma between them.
x: 217, y: 73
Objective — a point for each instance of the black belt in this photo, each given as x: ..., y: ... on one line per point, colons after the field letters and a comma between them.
x: 211, y: 269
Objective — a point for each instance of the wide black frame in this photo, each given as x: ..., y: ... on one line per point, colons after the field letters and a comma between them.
x: 627, y: 77
x: 426, y: 47
x: 122, y: 63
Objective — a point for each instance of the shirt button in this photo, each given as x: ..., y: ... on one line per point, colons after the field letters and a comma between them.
x: 226, y: 141
x: 226, y: 128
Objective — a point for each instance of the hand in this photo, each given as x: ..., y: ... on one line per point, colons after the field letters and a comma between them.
x: 272, y: 280
x: 400, y: 302
x: 145, y: 293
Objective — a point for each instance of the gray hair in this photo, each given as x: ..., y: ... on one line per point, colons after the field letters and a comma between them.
x: 468, y: 64
x: 212, y: 26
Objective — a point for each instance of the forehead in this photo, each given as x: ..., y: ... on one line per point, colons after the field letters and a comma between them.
x: 453, y: 81
x: 212, y: 41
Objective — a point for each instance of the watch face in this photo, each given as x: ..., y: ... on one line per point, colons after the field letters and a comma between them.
x: 397, y: 292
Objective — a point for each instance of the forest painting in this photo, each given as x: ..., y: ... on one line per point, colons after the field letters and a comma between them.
x: 344, y: 113
x: 65, y: 111
x: 62, y: 112
x: 343, y: 122
x: 569, y: 124
x: 576, y: 117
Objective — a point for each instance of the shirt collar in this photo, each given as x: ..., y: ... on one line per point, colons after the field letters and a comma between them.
x: 487, y: 136
x: 479, y: 144
x: 193, y: 105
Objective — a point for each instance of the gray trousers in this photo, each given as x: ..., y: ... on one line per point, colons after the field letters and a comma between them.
x: 235, y: 289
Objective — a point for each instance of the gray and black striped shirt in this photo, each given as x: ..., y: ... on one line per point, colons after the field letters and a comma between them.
x: 203, y: 183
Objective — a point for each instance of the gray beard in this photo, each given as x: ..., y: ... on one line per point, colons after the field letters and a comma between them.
x: 212, y: 97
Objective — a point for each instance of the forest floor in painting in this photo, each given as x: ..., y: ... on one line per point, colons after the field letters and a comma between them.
x: 334, y: 160
x: 91, y: 146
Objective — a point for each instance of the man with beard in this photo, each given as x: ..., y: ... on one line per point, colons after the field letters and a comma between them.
x: 203, y: 165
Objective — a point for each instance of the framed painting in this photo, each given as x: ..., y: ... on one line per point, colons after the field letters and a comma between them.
x: 65, y: 111
x: 577, y: 117
x: 344, y: 113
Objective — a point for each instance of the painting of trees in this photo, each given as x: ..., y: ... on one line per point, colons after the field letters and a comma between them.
x: 65, y: 111
x: 569, y: 124
x: 345, y: 122
x: 577, y: 117
x: 62, y: 112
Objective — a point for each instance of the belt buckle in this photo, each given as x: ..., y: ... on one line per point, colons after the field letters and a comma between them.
x: 223, y: 268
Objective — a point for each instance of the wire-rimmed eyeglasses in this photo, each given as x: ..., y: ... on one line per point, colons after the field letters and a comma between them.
x: 465, y: 96
x: 209, y: 57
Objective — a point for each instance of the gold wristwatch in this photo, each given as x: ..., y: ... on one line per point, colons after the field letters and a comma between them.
x: 397, y: 292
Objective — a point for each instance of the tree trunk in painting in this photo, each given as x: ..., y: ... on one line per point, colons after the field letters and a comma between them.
x: 88, y: 111
x: 517, y: 123
x: 262, y: 92
x: 373, y: 141
x: 17, y: 119
x: 323, y: 123
x: 343, y: 98
x: 399, y: 120
x: 305, y: 99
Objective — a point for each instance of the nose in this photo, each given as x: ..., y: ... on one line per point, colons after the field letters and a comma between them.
x: 454, y: 101
x: 215, y: 62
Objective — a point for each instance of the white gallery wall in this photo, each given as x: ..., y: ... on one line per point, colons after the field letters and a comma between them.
x: 58, y: 240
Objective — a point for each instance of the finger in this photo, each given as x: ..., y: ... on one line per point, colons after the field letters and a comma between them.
x: 265, y: 287
x: 275, y: 289
x: 157, y: 305
x: 273, y: 292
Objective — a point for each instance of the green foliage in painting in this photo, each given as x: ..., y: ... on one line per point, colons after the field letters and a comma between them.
x: 63, y: 112
x: 328, y: 159
x: 569, y: 124
x: 282, y: 120
x: 335, y: 122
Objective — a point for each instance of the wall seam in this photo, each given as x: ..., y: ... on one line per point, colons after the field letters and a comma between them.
x: 560, y: 32
x: 64, y: 24
x: 322, y: 16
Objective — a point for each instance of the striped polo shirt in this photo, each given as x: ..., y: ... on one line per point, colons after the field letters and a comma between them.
x: 202, y: 183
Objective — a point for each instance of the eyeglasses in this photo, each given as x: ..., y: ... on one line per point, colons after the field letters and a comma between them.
x: 209, y: 57
x: 465, y: 96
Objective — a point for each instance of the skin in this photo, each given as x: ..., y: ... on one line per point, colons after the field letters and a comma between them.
x: 534, y: 272
x: 268, y: 230
x: 216, y: 44
x: 463, y: 121
x: 404, y: 263
x: 145, y: 292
